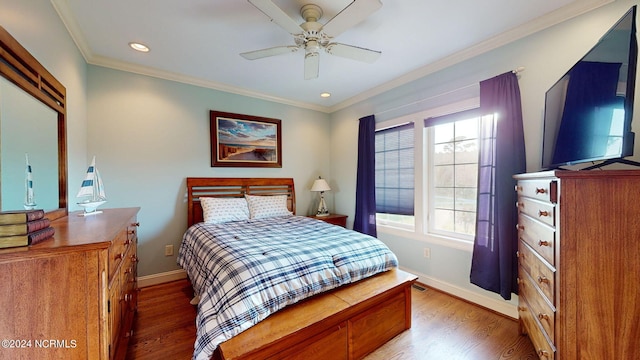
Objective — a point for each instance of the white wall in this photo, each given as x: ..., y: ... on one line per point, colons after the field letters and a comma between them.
x: 148, y: 135
x: 546, y: 56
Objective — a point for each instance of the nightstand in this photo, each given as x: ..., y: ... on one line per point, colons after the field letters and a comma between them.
x: 335, y: 219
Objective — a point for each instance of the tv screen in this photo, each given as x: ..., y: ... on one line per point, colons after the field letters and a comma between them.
x: 588, y: 112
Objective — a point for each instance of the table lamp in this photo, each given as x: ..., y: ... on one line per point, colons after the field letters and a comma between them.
x: 320, y: 185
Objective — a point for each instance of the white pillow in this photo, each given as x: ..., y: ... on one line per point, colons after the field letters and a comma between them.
x: 261, y: 207
x: 221, y: 210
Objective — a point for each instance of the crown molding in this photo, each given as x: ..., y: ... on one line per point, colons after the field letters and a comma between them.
x: 65, y: 14
x: 190, y: 80
x: 546, y: 21
x: 563, y: 14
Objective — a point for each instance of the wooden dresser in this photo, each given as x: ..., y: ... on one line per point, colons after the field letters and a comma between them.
x: 579, y: 263
x: 74, y: 296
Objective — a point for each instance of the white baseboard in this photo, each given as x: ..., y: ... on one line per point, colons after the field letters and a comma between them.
x: 496, y: 305
x: 155, y: 279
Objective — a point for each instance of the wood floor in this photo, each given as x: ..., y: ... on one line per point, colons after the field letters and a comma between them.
x: 443, y: 327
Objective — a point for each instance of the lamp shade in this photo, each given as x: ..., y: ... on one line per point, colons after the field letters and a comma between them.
x: 320, y: 185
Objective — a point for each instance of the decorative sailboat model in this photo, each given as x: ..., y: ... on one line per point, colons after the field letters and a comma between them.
x: 92, y: 190
x: 29, y: 197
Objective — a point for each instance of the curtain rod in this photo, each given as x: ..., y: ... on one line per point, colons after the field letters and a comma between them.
x: 515, y: 71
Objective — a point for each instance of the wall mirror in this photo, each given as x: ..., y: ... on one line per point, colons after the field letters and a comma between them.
x: 33, y: 124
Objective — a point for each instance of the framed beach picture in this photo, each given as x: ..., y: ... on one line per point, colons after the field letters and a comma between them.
x: 245, y: 141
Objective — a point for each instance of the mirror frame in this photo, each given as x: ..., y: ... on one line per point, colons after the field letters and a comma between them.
x: 21, y: 68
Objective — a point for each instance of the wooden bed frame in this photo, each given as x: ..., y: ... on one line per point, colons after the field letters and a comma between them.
x: 234, y: 187
x: 345, y: 323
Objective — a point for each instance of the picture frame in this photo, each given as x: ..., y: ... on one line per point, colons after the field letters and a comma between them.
x: 239, y: 140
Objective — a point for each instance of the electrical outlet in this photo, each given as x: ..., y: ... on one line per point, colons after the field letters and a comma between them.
x: 168, y: 250
x: 427, y: 253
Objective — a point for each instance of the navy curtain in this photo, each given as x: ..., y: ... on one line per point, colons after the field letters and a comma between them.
x: 365, y: 218
x: 494, y: 265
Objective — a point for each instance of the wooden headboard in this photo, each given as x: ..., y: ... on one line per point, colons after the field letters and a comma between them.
x: 234, y: 187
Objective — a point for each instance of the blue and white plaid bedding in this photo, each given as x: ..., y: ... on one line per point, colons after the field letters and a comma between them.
x: 246, y: 270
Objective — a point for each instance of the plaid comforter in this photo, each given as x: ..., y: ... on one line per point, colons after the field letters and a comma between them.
x: 246, y: 270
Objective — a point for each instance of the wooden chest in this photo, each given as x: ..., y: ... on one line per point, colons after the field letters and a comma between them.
x: 579, y: 263
x: 73, y: 296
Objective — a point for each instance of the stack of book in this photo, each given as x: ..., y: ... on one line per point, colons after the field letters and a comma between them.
x: 24, y: 227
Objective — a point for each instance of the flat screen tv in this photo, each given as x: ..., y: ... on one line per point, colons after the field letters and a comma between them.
x: 588, y: 112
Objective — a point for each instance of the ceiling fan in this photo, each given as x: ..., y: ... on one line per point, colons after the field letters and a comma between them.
x: 313, y: 36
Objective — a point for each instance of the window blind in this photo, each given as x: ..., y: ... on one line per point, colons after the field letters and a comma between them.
x: 395, y: 170
x: 449, y: 118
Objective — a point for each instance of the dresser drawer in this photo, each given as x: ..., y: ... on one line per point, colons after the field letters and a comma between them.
x: 543, y: 346
x: 539, y: 307
x: 539, y: 236
x: 117, y: 251
x: 132, y: 231
x: 543, y: 211
x: 544, y: 190
x: 121, y: 244
x: 541, y: 273
x: 129, y: 280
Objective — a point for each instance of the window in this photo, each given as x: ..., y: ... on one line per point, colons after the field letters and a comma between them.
x: 395, y: 175
x: 426, y: 179
x: 453, y: 173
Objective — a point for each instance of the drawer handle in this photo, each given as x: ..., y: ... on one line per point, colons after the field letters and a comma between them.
x: 542, y: 316
x: 518, y: 188
x: 519, y: 227
x: 131, y: 232
x: 543, y: 243
x: 519, y: 204
x: 522, y: 308
x: 127, y: 242
x: 519, y: 281
x: 128, y: 334
x: 136, y: 224
x: 543, y: 279
x: 543, y: 213
x: 541, y: 191
x: 542, y: 353
x: 518, y: 255
x: 134, y: 258
x: 118, y: 256
x: 127, y: 297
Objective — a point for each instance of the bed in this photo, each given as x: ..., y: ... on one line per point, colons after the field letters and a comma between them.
x: 275, y: 285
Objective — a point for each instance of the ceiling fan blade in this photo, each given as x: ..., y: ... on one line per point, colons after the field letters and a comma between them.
x: 353, y: 14
x: 277, y: 16
x: 278, y: 50
x: 353, y: 52
x: 311, y: 65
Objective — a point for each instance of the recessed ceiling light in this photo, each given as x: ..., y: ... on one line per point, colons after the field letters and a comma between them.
x: 325, y: 95
x: 139, y: 47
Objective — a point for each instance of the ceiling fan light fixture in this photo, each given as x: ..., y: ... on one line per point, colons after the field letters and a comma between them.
x: 312, y: 46
x: 139, y: 47
x: 314, y: 36
x: 311, y: 65
x: 325, y: 94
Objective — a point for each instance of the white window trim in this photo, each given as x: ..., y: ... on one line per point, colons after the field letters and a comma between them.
x: 421, y: 184
x: 427, y: 184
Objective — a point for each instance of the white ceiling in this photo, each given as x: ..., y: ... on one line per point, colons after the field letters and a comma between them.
x: 199, y: 41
